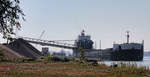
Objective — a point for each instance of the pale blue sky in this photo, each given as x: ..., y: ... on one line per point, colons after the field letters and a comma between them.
x: 105, y: 20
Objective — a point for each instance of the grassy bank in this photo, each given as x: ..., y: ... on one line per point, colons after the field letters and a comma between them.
x: 69, y: 69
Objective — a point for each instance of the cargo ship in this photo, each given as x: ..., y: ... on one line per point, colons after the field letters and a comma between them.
x: 127, y: 51
x: 119, y: 52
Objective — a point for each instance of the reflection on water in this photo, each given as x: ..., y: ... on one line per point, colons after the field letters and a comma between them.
x: 145, y: 62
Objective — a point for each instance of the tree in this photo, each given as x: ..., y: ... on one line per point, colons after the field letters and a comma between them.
x: 10, y: 13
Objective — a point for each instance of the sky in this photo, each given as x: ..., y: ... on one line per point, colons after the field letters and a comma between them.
x: 105, y: 20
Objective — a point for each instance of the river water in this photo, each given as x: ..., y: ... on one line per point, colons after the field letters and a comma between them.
x: 145, y: 62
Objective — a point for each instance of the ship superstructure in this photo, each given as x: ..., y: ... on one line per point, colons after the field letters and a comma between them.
x: 84, y: 41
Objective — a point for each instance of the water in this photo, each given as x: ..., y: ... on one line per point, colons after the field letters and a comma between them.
x: 145, y: 62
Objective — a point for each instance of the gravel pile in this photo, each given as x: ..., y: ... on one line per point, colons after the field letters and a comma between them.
x: 23, y: 48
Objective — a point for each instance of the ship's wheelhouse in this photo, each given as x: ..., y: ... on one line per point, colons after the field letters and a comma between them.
x: 84, y: 41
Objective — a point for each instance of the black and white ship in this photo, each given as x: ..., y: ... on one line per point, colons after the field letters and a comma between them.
x: 127, y: 51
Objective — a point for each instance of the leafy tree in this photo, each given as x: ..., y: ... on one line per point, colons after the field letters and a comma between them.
x: 10, y: 13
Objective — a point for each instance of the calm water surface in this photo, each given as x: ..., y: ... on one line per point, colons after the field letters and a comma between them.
x: 145, y: 62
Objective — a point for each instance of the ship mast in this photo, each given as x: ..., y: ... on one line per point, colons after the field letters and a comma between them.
x: 83, y: 33
x: 128, y: 36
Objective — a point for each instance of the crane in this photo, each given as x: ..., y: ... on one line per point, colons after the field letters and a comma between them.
x: 41, y: 34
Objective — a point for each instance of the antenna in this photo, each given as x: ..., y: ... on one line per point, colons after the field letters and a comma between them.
x: 95, y: 45
x: 143, y: 42
x: 100, y: 45
x: 128, y: 36
x: 84, y: 27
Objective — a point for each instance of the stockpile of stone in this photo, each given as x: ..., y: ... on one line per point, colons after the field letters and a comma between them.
x: 23, y: 48
x: 9, y: 52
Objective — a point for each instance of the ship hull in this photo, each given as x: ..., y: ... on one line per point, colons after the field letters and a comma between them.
x: 127, y: 55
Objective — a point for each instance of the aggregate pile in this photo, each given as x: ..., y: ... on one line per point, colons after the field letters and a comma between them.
x: 9, y: 52
x: 23, y: 48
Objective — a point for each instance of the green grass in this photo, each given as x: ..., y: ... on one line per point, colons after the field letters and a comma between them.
x: 69, y: 69
x: 132, y: 69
